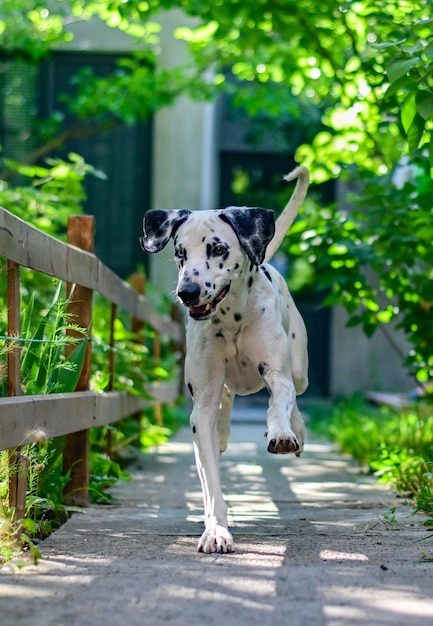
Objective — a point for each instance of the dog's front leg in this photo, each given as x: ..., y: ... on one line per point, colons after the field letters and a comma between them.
x: 206, y: 391
x: 286, y: 431
x: 216, y: 536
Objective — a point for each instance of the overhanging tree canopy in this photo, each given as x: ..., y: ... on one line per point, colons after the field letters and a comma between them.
x: 367, y: 65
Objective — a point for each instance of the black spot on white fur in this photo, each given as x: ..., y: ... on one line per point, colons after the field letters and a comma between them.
x: 266, y: 273
x: 263, y: 368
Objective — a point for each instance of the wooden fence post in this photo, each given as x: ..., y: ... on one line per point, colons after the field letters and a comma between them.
x: 14, y: 327
x: 18, y: 463
x: 138, y: 282
x: 76, y: 452
x: 109, y: 445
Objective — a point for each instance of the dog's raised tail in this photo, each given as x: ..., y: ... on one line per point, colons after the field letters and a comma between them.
x: 287, y: 217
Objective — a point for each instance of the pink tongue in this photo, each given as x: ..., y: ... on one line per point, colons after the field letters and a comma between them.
x: 210, y: 307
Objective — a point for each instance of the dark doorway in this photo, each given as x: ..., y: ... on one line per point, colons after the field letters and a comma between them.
x: 256, y: 179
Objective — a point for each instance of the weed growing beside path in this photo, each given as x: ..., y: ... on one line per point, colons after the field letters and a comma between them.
x: 46, y: 369
x: 395, y: 444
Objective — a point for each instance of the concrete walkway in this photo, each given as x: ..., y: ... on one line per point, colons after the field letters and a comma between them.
x: 317, y: 543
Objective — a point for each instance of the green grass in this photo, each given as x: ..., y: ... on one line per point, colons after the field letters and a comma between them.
x: 395, y: 445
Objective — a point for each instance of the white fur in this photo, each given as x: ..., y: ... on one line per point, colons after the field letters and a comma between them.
x: 253, y: 338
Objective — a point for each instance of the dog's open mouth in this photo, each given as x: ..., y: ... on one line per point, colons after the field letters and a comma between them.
x: 203, y: 311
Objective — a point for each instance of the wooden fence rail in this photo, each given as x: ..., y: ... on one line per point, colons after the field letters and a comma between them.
x: 27, y: 246
x: 25, y: 419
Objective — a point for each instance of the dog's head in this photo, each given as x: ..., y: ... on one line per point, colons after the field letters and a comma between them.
x: 212, y: 248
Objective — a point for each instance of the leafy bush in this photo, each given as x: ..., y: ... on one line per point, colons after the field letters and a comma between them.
x: 53, y: 192
x: 375, y: 259
x: 395, y: 445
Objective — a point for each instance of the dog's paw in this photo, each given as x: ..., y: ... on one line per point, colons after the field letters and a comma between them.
x: 284, y: 445
x: 216, y: 539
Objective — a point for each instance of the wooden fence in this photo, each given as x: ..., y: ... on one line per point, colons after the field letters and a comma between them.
x: 24, y: 419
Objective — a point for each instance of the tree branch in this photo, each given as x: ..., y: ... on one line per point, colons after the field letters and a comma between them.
x: 75, y: 132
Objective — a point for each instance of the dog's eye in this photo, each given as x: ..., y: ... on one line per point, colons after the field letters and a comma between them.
x: 219, y: 249
x: 179, y: 253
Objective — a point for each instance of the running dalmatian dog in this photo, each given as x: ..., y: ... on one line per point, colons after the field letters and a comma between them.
x: 244, y: 332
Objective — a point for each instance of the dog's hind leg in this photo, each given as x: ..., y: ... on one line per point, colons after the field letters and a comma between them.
x: 297, y: 334
x: 224, y: 418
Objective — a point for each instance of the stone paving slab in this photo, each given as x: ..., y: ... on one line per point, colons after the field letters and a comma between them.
x: 317, y: 544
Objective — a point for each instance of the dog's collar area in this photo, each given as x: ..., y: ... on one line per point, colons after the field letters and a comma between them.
x: 203, y: 311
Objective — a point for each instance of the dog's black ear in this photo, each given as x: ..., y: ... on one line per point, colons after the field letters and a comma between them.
x: 159, y: 226
x: 254, y: 228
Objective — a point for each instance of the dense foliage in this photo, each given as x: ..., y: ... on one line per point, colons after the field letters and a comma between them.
x: 376, y: 260
x: 366, y: 67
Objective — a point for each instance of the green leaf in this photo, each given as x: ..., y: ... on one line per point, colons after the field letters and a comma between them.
x: 428, y: 51
x: 415, y: 133
x: 54, y: 366
x: 68, y: 376
x: 33, y: 352
x: 405, y: 84
x: 369, y: 329
x: 355, y: 320
x: 27, y: 317
x: 42, y: 375
x: 424, y: 104
x: 337, y: 248
x: 370, y: 304
x: 400, y: 67
x: 408, y: 112
x: 388, y: 44
x: 430, y: 156
x: 386, y: 315
x: 425, y: 232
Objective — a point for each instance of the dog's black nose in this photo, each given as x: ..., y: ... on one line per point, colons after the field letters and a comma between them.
x: 189, y: 294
